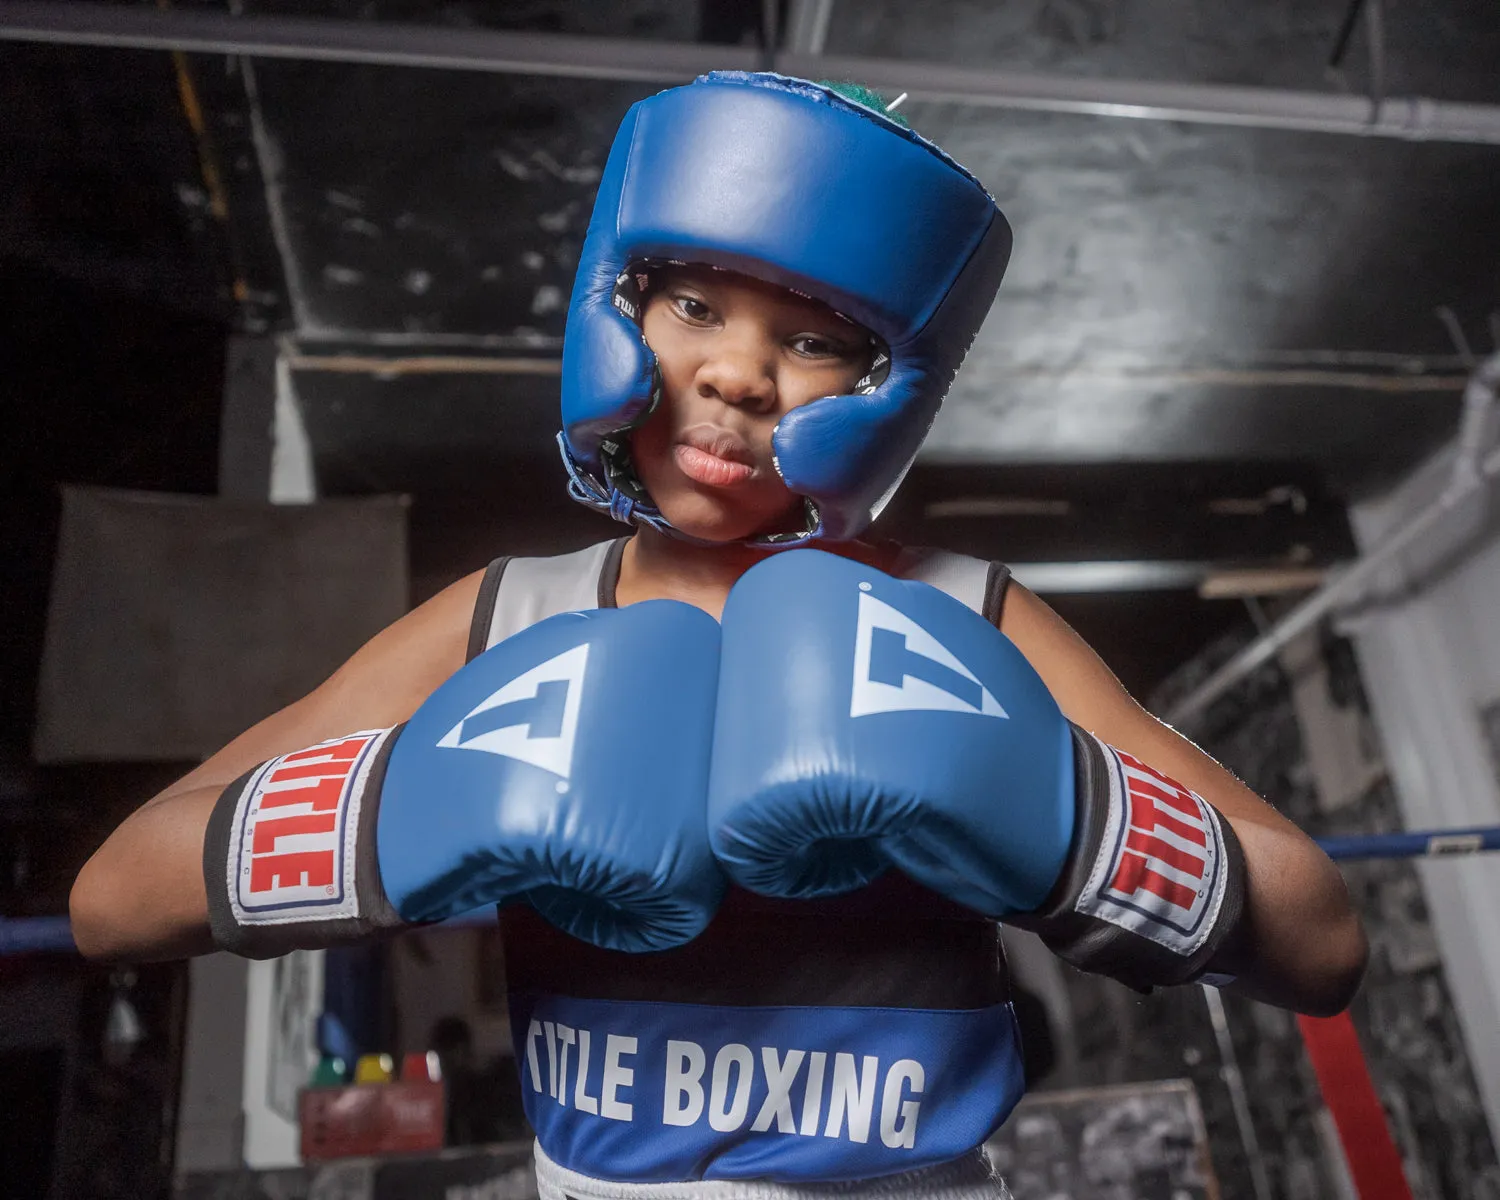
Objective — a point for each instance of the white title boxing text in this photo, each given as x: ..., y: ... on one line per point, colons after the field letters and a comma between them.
x: 807, y: 1093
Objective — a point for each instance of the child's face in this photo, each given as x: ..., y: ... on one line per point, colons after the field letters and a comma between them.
x: 736, y: 355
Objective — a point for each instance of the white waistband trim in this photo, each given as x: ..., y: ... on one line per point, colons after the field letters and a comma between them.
x: 967, y: 1178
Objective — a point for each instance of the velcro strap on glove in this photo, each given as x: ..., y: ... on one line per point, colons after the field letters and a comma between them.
x: 289, y: 851
x: 1154, y: 887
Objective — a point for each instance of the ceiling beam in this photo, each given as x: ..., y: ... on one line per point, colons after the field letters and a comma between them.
x: 509, y: 52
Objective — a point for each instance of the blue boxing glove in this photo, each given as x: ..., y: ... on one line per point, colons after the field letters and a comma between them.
x: 524, y: 777
x: 865, y: 722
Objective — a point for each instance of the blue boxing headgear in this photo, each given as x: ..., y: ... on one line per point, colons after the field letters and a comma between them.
x: 789, y: 182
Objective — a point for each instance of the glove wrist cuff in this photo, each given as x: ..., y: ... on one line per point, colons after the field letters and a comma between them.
x: 289, y: 856
x: 1154, y: 885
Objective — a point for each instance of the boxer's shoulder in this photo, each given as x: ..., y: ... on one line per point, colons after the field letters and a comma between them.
x: 383, y: 682
x: 403, y: 664
x: 380, y: 685
x: 1081, y: 682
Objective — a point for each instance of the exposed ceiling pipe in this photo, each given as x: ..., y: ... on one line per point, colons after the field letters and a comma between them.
x: 448, y: 48
x: 321, y: 39
x: 1469, y: 474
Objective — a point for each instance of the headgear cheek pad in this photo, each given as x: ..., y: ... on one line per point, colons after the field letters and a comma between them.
x: 788, y: 182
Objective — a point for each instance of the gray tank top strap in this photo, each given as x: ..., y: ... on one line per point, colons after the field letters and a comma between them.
x: 518, y: 592
x: 975, y: 582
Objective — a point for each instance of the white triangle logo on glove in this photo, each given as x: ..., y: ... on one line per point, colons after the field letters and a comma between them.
x: 536, y: 720
x: 900, y: 667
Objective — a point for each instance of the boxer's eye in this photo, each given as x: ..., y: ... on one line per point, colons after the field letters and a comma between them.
x: 692, y: 308
x: 812, y: 345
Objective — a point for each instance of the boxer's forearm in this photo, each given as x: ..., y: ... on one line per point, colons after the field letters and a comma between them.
x: 1304, y: 947
x: 141, y: 897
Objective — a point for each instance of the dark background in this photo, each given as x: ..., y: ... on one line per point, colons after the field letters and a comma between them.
x: 1131, y: 398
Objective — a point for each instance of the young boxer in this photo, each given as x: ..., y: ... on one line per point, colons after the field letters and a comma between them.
x: 750, y: 868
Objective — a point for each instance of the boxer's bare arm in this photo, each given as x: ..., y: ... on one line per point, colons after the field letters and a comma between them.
x: 141, y: 896
x: 1307, y: 947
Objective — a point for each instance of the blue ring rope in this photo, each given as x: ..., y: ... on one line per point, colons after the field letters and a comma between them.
x: 28, y: 935
x: 1432, y: 843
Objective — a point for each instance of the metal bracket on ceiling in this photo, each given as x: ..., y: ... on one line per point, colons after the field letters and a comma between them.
x: 807, y: 26
x: 770, y: 33
x: 1374, y: 12
x: 1375, y: 41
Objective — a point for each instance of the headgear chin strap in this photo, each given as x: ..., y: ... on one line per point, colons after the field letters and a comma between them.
x: 786, y: 181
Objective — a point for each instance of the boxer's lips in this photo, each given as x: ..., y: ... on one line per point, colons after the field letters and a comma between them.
x: 714, y: 457
x: 710, y: 469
